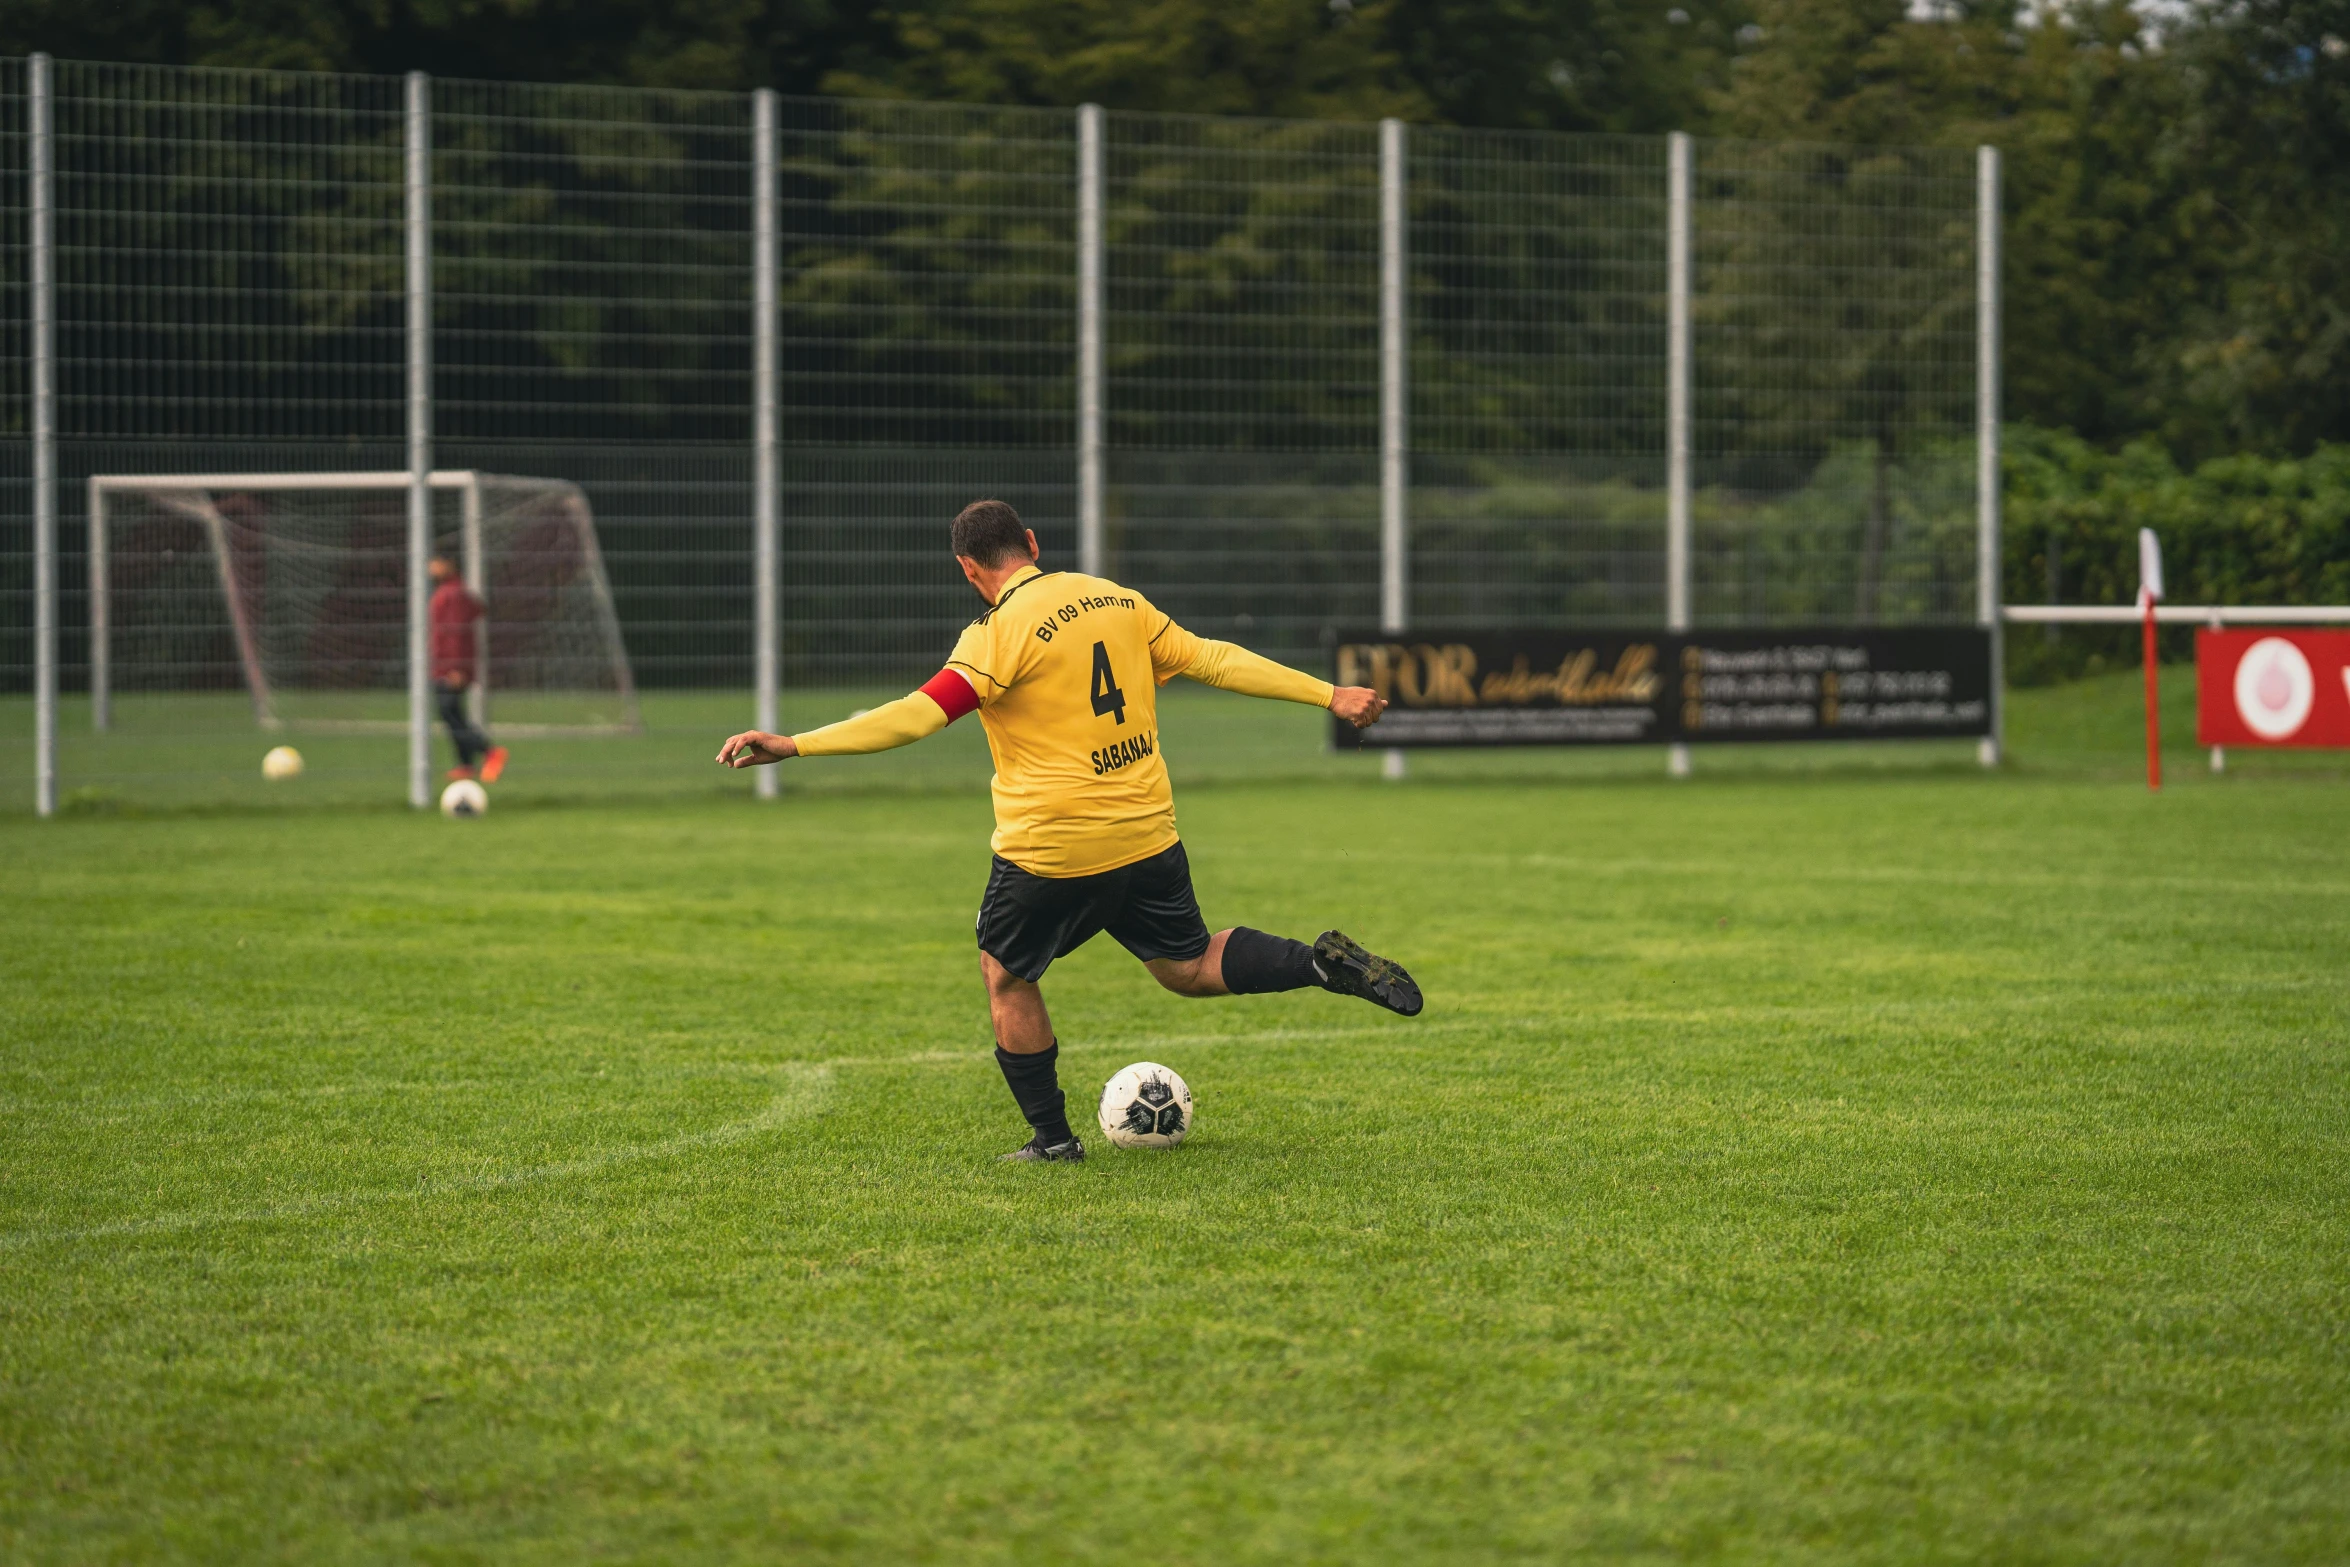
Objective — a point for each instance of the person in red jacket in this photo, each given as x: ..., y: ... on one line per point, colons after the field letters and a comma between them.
x: 455, y: 616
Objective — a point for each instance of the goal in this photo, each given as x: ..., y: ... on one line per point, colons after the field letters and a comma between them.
x: 294, y: 587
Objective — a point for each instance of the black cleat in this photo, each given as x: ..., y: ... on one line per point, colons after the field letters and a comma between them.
x: 1346, y: 968
x: 1070, y: 1152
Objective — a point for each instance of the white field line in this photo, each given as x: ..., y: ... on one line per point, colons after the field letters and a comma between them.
x: 809, y: 1083
x: 92, y: 1103
x: 811, y: 1086
x: 366, y: 1088
x: 1890, y: 875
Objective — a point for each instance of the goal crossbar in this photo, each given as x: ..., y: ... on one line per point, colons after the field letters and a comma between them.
x: 441, y: 479
x: 468, y: 483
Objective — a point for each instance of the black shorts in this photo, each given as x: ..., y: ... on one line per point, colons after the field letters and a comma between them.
x: 1026, y: 921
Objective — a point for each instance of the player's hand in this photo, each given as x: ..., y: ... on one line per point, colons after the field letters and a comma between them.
x: 755, y: 748
x: 1358, y: 705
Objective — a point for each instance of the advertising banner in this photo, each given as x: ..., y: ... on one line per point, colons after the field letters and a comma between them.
x: 2272, y: 688
x: 1646, y: 687
x: 1503, y: 688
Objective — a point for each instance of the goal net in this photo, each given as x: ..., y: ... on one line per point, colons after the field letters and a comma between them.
x: 294, y: 589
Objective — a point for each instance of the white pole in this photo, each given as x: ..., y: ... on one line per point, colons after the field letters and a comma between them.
x: 2219, y: 753
x: 764, y: 433
x: 1987, y: 441
x: 419, y: 237
x: 1395, y: 585
x: 1677, y: 355
x: 44, y: 367
x: 1091, y: 556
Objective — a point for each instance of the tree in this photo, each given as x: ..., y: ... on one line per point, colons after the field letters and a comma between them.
x: 1569, y: 65
x: 2102, y: 252
x: 1306, y: 59
x: 2177, y: 194
x: 2262, y: 137
x: 727, y: 45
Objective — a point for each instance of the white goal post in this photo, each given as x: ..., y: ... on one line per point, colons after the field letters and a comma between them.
x: 304, y: 576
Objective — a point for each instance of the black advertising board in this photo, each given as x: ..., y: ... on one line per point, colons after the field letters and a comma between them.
x: 1511, y: 688
x: 1839, y: 683
x: 1634, y: 687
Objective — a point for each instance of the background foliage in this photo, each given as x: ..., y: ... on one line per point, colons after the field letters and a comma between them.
x: 2238, y: 529
x: 2178, y: 192
x: 2178, y: 251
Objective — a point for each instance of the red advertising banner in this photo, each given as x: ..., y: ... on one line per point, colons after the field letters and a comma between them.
x: 2272, y: 688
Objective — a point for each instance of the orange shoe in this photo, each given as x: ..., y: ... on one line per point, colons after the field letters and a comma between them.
x: 455, y: 773
x: 493, y: 764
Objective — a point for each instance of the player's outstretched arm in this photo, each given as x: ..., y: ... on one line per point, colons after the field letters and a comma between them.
x: 913, y: 717
x: 1230, y: 667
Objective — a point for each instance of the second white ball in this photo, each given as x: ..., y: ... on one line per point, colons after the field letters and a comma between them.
x: 465, y: 798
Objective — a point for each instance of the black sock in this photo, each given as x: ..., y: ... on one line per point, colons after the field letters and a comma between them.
x: 1036, y: 1086
x: 1255, y: 963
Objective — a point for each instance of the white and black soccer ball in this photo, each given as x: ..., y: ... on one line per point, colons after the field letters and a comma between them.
x: 465, y: 798
x: 282, y: 762
x: 1146, y: 1106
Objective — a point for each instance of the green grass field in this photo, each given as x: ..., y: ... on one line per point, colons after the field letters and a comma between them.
x: 1842, y: 1156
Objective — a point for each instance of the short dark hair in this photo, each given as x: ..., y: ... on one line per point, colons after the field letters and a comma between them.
x: 987, y: 531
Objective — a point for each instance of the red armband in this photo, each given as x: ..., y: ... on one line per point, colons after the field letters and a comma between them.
x: 952, y: 693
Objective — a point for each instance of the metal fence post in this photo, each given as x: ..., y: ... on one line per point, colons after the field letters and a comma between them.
x: 418, y: 223
x: 1987, y: 586
x: 1395, y: 583
x: 764, y: 433
x: 1090, y: 553
x: 1677, y: 356
x: 43, y: 279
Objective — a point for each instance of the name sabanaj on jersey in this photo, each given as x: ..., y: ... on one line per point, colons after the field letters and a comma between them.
x: 1070, y: 611
x: 1124, y: 754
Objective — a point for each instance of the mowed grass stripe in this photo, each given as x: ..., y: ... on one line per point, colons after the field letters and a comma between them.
x: 1965, y: 1195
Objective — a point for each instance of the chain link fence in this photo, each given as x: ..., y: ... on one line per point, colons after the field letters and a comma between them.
x: 1538, y: 378
x: 1834, y: 423
x: 229, y: 268
x: 926, y: 330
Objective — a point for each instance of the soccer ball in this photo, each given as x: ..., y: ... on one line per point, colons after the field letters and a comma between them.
x: 282, y: 763
x: 1146, y: 1106
x: 465, y: 798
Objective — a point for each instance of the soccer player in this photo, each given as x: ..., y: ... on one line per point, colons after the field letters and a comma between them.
x: 454, y: 614
x: 1064, y: 670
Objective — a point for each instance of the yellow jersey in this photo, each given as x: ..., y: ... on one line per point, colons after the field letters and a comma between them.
x: 1065, y: 672
x: 1067, y: 669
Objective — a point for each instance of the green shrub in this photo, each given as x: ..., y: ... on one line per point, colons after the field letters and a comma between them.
x: 2236, y: 530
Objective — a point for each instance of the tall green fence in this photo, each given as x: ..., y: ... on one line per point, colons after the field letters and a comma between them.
x: 1320, y: 374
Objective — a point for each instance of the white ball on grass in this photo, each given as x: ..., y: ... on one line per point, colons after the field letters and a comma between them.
x: 465, y: 798
x: 1146, y: 1106
x: 283, y: 762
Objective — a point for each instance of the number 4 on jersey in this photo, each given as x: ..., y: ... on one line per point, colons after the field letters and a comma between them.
x: 1107, y: 698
